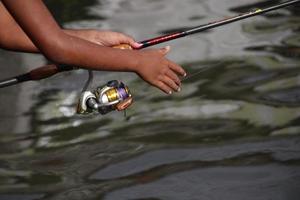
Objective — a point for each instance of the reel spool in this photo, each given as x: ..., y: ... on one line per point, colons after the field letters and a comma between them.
x: 115, y: 95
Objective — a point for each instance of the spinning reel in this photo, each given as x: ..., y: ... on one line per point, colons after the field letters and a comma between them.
x: 114, y: 95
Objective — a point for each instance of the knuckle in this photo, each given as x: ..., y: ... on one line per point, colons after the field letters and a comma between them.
x: 174, y: 85
x: 159, y: 84
x: 164, y: 70
x: 160, y: 77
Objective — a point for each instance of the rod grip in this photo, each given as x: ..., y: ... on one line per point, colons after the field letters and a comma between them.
x: 47, y: 71
x: 123, y: 46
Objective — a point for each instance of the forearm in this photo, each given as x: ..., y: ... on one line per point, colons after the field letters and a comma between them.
x: 38, y: 24
x: 12, y: 37
x: 71, y: 50
x: 61, y: 47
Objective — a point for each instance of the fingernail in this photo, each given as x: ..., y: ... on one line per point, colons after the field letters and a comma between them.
x: 184, y: 74
x: 179, y: 89
x: 170, y: 92
x: 167, y: 48
x: 138, y: 44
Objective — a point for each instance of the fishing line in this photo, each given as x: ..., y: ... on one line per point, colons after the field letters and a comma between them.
x: 115, y: 95
x: 203, y: 69
x: 89, y: 81
x: 45, y: 72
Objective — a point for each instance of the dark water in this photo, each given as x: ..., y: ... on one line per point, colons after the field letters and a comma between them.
x: 232, y: 133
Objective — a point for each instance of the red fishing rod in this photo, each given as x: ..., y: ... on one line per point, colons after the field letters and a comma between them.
x: 201, y: 28
x: 46, y: 71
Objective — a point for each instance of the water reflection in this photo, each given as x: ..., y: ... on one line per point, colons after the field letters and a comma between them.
x: 195, y: 184
x: 233, y: 130
x: 66, y: 11
x: 160, y: 168
x: 200, y: 157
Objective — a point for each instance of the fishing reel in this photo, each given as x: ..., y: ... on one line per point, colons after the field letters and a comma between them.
x: 115, y: 95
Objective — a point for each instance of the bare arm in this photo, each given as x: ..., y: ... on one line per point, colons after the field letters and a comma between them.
x: 59, y: 47
x: 13, y: 38
x: 39, y: 25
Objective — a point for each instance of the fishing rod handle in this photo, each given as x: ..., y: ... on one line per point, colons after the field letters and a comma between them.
x: 43, y: 72
x: 47, y: 71
x: 123, y: 46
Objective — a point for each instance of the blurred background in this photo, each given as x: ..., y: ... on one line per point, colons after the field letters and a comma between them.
x: 233, y: 132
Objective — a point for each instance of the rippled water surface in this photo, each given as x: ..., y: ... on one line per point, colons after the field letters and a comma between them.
x: 232, y: 133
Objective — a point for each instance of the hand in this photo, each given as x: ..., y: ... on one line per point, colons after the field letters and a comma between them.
x: 104, y: 38
x: 154, y: 68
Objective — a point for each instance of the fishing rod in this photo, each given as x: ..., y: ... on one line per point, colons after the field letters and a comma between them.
x: 116, y: 93
x: 39, y: 73
x: 201, y: 28
x: 46, y: 71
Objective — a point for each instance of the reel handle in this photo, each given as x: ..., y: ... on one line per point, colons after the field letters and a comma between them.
x: 125, y: 104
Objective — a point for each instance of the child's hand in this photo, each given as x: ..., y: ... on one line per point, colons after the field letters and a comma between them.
x: 158, y: 71
x: 151, y: 65
x: 104, y: 38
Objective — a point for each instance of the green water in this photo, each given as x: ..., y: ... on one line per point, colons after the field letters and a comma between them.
x: 231, y: 133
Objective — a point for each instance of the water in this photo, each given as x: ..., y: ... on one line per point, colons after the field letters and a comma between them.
x: 232, y: 133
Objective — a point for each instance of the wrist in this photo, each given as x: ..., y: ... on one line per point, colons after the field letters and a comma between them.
x: 86, y: 34
x: 135, y: 62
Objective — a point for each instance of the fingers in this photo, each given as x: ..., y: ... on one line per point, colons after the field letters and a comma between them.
x: 164, y: 51
x: 133, y: 43
x: 136, y: 45
x: 177, y: 69
x: 170, y: 79
x: 174, y: 77
x: 161, y: 72
x: 163, y: 87
x: 129, y: 40
x: 171, y: 84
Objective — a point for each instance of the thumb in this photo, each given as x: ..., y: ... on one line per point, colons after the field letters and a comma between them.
x: 136, y: 45
x: 130, y: 41
x: 165, y: 50
x: 125, y: 39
